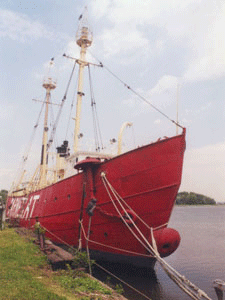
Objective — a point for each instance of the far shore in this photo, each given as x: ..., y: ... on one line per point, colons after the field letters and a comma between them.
x: 217, y: 204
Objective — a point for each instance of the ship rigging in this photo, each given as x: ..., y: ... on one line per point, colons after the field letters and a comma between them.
x: 146, y: 177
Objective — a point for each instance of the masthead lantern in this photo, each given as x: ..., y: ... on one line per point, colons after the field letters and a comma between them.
x: 84, y: 34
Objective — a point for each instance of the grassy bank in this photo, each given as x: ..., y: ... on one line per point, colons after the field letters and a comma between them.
x: 26, y: 275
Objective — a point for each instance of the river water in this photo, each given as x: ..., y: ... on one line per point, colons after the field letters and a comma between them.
x: 200, y: 256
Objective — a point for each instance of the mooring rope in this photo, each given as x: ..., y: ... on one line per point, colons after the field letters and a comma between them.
x: 104, y: 269
x: 110, y: 273
x: 130, y: 208
x: 188, y: 287
x: 121, y: 280
x: 127, y: 216
x: 87, y: 240
x: 113, y: 248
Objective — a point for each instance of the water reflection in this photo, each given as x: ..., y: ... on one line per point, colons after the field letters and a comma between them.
x: 200, y: 257
x: 143, y: 279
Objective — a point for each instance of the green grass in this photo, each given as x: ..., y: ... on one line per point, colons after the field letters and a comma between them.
x: 20, y: 263
x: 26, y: 275
x: 82, y: 284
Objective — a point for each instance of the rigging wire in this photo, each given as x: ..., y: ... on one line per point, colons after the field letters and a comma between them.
x: 71, y: 109
x: 136, y: 93
x: 97, y: 132
x: 51, y: 155
x: 27, y: 151
x: 60, y: 110
x: 52, y: 115
x: 25, y: 157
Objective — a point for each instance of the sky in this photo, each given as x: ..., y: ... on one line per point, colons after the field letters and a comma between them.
x: 172, y: 52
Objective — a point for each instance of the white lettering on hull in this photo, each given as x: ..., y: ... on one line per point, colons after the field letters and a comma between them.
x: 28, y: 212
x: 16, y: 207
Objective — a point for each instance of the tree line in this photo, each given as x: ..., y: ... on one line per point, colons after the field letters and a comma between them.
x: 3, y: 196
x: 185, y: 198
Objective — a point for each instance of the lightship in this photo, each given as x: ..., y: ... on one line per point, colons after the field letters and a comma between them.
x: 110, y: 203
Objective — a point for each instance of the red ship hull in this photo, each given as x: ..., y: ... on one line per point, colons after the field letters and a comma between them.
x: 147, y: 178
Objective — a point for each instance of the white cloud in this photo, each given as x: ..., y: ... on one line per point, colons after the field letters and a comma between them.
x: 123, y: 39
x: 140, y: 11
x: 165, y: 84
x: 6, y: 178
x: 11, y: 165
x: 195, y: 113
x: 100, y: 7
x: 196, y: 26
x: 161, y: 95
x: 204, y: 171
x: 186, y: 122
x: 127, y: 17
x: 19, y: 27
x: 208, y: 46
x: 158, y: 121
x: 6, y: 112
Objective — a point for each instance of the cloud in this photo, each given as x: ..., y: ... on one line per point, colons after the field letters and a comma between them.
x: 128, y: 21
x: 210, y: 59
x: 194, y: 26
x: 158, y: 121
x: 140, y: 11
x: 205, y: 33
x: 12, y: 166
x: 165, y: 84
x: 6, y: 112
x: 200, y: 110
x: 125, y: 39
x: 100, y: 8
x: 19, y: 27
x: 161, y: 95
x: 204, y: 171
x: 6, y: 178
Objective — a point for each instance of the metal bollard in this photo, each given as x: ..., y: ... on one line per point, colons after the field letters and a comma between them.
x: 219, y: 288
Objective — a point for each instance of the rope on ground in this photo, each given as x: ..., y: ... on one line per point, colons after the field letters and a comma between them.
x: 188, y: 287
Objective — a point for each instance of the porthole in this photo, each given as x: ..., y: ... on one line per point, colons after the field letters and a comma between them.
x: 166, y: 246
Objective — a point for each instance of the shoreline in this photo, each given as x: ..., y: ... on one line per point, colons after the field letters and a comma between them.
x: 27, y: 275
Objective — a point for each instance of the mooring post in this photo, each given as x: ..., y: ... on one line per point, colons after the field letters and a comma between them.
x: 219, y: 288
x: 1, y: 217
x: 2, y: 214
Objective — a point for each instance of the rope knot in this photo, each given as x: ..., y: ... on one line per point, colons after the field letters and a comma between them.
x: 103, y: 175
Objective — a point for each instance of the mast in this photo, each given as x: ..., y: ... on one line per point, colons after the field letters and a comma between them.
x: 84, y: 40
x: 49, y: 85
